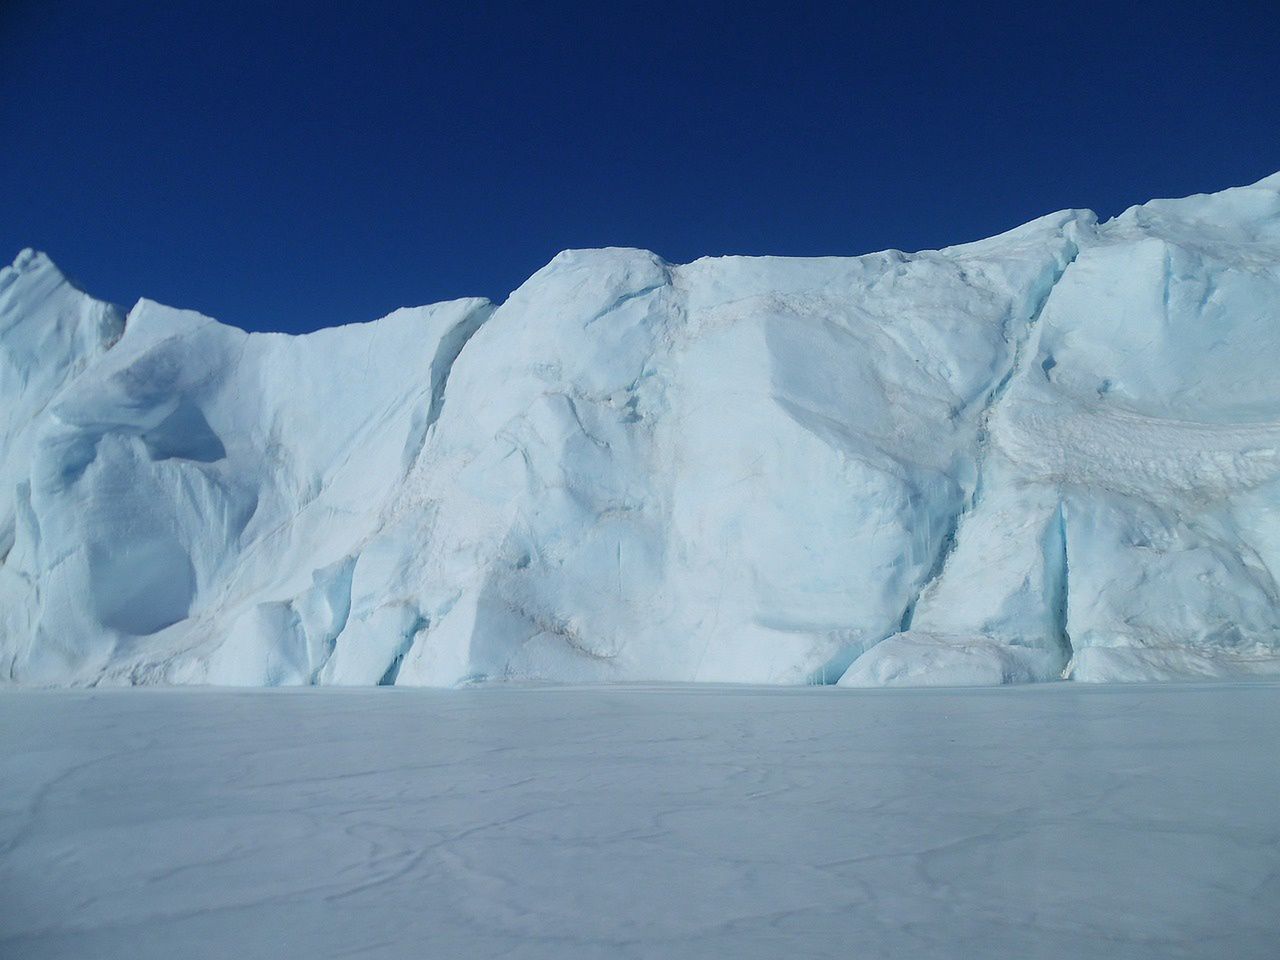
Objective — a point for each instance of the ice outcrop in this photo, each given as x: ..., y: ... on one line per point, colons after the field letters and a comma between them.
x: 1051, y: 453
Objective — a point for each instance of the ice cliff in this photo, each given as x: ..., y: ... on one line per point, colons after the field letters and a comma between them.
x: 1052, y: 453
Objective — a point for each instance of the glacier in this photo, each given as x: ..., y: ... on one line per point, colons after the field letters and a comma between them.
x: 1050, y: 454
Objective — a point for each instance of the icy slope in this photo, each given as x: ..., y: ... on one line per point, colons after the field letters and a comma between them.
x: 195, y: 489
x: 1126, y: 523
x: 1052, y: 451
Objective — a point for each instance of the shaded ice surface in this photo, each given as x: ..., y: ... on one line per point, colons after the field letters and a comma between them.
x: 1055, y: 452
x: 1056, y: 821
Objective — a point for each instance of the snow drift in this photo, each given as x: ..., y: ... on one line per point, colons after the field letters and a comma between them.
x: 1051, y: 453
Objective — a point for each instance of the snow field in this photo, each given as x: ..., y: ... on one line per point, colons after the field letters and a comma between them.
x: 1052, y: 821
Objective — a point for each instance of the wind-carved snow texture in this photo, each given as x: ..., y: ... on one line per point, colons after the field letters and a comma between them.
x: 632, y: 822
x: 1052, y: 453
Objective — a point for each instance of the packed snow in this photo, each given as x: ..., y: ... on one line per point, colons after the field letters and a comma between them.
x: 1056, y: 821
x: 1053, y: 453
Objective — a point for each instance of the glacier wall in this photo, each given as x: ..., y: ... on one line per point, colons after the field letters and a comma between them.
x: 1052, y: 453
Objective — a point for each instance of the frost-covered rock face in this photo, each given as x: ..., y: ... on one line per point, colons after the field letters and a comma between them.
x: 1055, y: 452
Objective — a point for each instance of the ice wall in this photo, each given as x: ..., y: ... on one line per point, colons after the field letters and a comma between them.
x: 1054, y: 452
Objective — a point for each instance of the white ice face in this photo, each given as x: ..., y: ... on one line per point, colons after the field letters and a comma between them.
x: 1053, y: 452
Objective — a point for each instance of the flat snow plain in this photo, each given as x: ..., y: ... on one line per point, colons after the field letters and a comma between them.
x: 1033, y: 822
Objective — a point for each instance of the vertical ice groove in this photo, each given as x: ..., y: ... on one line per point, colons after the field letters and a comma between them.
x: 337, y: 577
x: 1062, y: 586
x: 447, y: 352
x: 388, y: 678
x: 994, y: 397
x: 833, y: 668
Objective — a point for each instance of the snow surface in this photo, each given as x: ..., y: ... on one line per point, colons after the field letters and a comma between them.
x: 1056, y: 821
x: 1052, y: 453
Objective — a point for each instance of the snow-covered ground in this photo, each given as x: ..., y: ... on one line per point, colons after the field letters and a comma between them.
x: 615, y: 822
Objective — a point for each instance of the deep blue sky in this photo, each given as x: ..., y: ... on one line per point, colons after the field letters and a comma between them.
x: 290, y: 167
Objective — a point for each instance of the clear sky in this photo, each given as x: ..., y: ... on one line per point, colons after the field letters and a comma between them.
x: 289, y: 166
